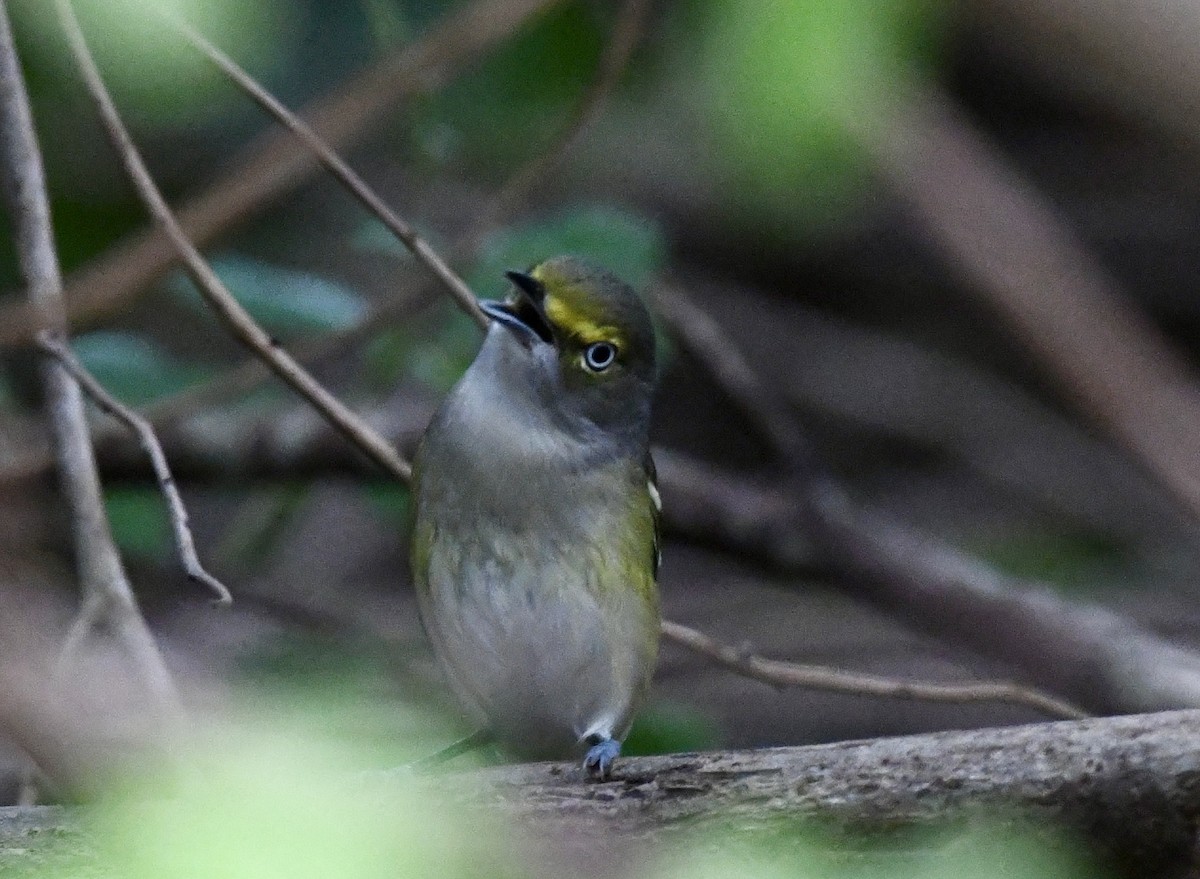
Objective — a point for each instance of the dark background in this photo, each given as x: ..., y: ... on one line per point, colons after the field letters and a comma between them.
x: 744, y: 182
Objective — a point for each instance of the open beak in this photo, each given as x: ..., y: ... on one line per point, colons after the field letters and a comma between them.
x: 523, y: 312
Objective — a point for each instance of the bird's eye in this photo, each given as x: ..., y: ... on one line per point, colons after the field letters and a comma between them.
x: 599, y: 356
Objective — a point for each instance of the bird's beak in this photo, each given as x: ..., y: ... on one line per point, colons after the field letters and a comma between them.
x: 529, y: 285
x: 522, y: 313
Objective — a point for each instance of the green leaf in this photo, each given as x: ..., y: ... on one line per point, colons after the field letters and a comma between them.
x: 132, y: 368
x: 139, y: 521
x: 629, y: 245
x: 283, y: 300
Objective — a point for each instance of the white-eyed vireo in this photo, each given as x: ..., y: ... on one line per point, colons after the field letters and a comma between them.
x: 535, y: 543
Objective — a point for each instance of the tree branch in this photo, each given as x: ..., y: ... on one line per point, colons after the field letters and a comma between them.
x: 276, y: 163
x: 231, y: 313
x: 177, y: 512
x: 335, y: 165
x: 817, y: 677
x: 1129, y: 782
x: 103, y: 581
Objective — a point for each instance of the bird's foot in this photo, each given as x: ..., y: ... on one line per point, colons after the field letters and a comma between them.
x: 599, y: 760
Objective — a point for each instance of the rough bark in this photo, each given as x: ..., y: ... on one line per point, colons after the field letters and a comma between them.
x: 1130, y: 784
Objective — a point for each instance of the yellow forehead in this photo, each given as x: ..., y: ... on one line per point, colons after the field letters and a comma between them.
x: 574, y: 310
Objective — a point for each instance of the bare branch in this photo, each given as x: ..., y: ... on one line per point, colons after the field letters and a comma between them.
x: 337, y: 166
x: 234, y: 316
x: 101, y: 572
x: 184, y: 543
x: 818, y: 677
x: 276, y: 163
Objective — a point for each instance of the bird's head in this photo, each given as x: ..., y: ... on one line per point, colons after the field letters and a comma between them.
x: 580, y: 341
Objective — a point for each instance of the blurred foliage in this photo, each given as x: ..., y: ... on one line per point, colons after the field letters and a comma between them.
x: 281, y: 795
x: 432, y: 350
x: 632, y: 245
x: 391, y: 501
x: 154, y: 76
x: 134, y: 369
x: 139, y: 521
x: 284, y: 301
x: 514, y: 102
x: 669, y: 727
x: 796, y: 849
x: 84, y: 227
x: 1075, y: 561
x: 792, y: 83
x: 343, y: 689
x: 262, y: 515
x: 275, y: 804
x: 388, y: 23
x: 281, y: 785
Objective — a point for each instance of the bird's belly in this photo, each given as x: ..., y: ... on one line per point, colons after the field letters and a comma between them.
x: 539, y: 654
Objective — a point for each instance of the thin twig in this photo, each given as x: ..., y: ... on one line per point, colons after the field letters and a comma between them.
x: 337, y: 166
x: 102, y: 575
x: 235, y: 317
x: 184, y: 544
x: 819, y: 677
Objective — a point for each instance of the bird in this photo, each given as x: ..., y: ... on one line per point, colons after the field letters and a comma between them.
x: 535, y: 541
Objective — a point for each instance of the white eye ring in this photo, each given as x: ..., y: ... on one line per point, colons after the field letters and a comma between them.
x: 599, y: 356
